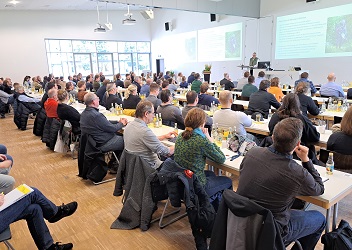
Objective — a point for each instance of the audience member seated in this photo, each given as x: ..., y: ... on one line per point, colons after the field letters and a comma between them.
x: 275, y: 182
x: 275, y: 89
x: 140, y: 140
x: 153, y: 96
x: 25, y: 105
x: 170, y: 114
x: 243, y: 81
x: 262, y: 101
x: 304, y: 78
x: 95, y: 124
x: 145, y: 89
x: 331, y: 88
x: 196, y: 83
x: 291, y: 108
x: 341, y: 142
x: 118, y: 81
x: 192, y: 102
x: 6, y: 161
x: 7, y: 86
x: 227, y: 83
x: 259, y: 79
x: 101, y: 92
x: 183, y: 83
x: 68, y: 113
x: 70, y: 88
x: 34, y: 208
x: 96, y: 83
x: 191, y: 78
x: 193, y: 147
x: 131, y: 98
x: 5, y: 100
x: 204, y: 98
x: 111, y: 99
x: 89, y: 83
x: 349, y: 93
x: 227, y: 118
x: 45, y: 97
x: 81, y: 90
x: 138, y: 83
x: 249, y: 88
x: 172, y: 85
x: 51, y: 104
x: 307, y: 103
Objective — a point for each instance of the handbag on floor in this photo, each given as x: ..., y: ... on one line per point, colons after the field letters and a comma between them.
x: 339, y: 239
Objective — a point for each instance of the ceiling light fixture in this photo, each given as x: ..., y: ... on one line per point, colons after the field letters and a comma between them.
x: 129, y: 20
x: 14, y: 2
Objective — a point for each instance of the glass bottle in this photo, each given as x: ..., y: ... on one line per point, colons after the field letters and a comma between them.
x: 330, y: 165
x: 176, y: 129
x: 156, y: 120
x: 160, y: 121
x: 112, y: 109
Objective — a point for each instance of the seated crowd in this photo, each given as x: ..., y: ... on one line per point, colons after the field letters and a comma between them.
x: 292, y: 135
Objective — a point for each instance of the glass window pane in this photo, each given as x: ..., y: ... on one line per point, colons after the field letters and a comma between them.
x: 55, y: 64
x: 66, y: 45
x: 134, y: 64
x: 83, y: 64
x: 70, y: 64
x: 143, y: 47
x: 125, y: 61
x: 127, y: 47
x: 47, y: 47
x: 105, y: 64
x: 116, y: 63
x: 54, y: 45
x: 83, y: 46
x: 94, y: 63
x: 106, y: 46
x: 143, y: 62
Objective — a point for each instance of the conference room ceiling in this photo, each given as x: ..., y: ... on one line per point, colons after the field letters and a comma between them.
x: 248, y: 8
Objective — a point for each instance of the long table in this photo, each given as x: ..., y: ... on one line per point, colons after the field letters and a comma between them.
x: 337, y: 187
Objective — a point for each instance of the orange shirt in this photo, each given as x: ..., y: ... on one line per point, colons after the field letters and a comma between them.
x: 276, y: 91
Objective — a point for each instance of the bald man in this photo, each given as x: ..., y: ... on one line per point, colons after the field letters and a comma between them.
x: 331, y: 88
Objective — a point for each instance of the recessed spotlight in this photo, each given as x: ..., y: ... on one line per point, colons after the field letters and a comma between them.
x: 14, y: 2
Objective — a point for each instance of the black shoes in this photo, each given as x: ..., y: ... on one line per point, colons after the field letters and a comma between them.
x: 64, y: 211
x: 58, y: 246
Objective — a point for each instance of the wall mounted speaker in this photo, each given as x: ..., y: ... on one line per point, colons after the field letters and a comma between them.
x: 214, y: 18
x: 168, y: 26
x: 308, y: 1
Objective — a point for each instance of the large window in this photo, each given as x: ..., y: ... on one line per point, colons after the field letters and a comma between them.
x: 69, y: 57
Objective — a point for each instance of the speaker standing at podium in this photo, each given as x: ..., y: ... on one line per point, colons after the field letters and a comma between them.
x: 253, y: 62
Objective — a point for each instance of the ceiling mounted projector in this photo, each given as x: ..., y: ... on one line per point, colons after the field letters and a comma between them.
x: 100, y: 29
x: 129, y: 20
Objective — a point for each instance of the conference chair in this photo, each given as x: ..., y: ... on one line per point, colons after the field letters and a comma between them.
x: 5, y: 236
x: 237, y: 107
x: 244, y: 225
x: 244, y: 98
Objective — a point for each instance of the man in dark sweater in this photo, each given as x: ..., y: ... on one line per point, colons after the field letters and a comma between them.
x: 262, y: 101
x: 275, y: 182
x: 204, y: 98
x: 95, y: 124
x: 227, y: 83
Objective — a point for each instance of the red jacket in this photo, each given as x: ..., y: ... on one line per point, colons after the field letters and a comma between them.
x: 50, y: 107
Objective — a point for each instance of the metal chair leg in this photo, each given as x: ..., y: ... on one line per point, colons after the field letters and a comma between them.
x: 104, y: 181
x: 163, y: 215
x: 9, y: 246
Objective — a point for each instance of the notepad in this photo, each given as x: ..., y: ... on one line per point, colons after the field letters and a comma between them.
x: 16, y: 195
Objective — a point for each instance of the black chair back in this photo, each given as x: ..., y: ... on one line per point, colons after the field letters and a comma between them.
x: 237, y: 107
x: 337, y: 119
x: 244, y: 98
x: 324, y: 155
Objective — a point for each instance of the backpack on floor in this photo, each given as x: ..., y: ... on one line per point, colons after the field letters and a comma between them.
x: 339, y: 239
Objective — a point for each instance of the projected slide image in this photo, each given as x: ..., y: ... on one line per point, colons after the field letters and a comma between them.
x: 232, y: 44
x: 339, y: 34
x: 191, y: 48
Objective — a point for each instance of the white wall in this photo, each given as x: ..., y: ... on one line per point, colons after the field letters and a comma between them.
x: 184, y: 21
x: 318, y: 68
x: 22, y: 46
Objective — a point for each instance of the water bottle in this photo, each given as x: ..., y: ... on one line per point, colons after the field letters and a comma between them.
x: 330, y: 165
x: 156, y: 121
x: 160, y: 121
x: 176, y: 129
